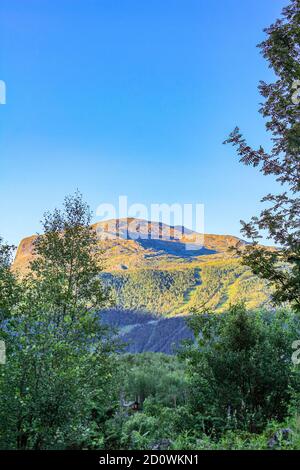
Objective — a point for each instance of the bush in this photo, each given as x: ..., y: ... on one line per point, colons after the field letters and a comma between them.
x: 241, y: 371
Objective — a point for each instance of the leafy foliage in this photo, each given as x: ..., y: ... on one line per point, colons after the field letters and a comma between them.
x: 280, y: 219
x: 59, y: 357
x: 8, y: 282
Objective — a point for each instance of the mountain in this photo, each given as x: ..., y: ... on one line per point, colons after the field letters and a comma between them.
x: 156, y: 244
x: 141, y: 332
x: 163, y: 271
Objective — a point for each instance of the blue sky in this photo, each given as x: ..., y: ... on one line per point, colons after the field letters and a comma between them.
x: 130, y: 97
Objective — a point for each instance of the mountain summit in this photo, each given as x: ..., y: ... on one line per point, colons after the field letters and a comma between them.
x: 135, y: 243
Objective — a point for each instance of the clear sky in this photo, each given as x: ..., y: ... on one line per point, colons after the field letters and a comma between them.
x: 130, y: 97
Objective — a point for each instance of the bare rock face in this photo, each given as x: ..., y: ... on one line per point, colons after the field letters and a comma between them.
x: 137, y: 243
x: 24, y: 254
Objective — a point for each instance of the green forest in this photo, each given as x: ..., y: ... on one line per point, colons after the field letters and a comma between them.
x: 66, y: 382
